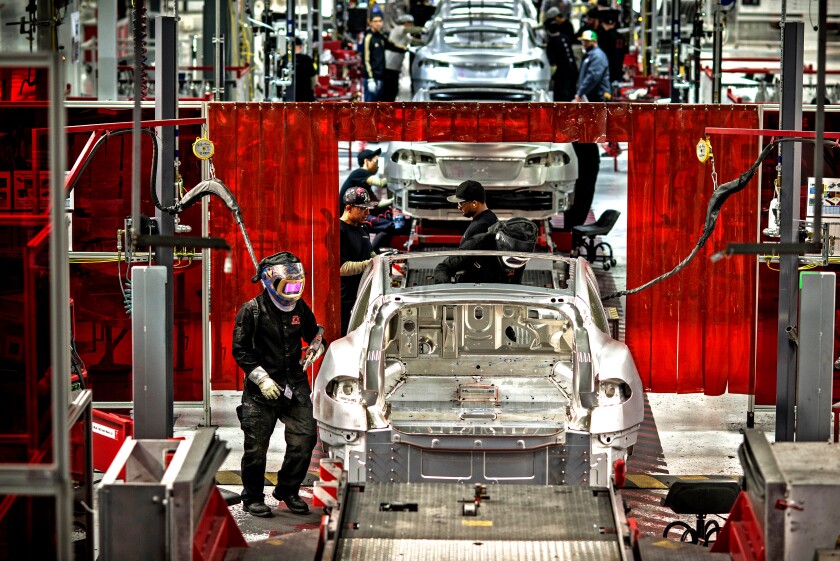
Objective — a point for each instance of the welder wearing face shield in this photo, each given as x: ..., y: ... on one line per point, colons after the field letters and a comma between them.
x: 267, y: 346
x: 515, y: 235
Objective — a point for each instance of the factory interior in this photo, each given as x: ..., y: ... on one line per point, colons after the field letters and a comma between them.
x: 654, y: 376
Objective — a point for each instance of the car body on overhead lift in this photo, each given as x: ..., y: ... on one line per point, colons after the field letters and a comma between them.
x: 490, y: 51
x: 478, y: 382
x: 534, y: 180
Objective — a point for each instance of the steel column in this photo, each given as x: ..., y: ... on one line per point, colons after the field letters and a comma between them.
x: 166, y: 100
x: 106, y: 50
x: 816, y: 344
x: 791, y: 158
x: 148, y: 339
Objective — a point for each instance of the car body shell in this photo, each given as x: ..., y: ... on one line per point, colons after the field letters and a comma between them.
x: 530, y: 180
x: 491, y: 51
x: 478, y: 382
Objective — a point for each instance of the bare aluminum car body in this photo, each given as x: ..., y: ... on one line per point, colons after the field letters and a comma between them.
x: 478, y: 382
x: 491, y: 51
x: 482, y: 94
x: 447, y: 9
x: 530, y: 180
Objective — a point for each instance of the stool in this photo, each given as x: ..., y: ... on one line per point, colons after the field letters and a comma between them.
x: 585, y: 239
x: 701, y: 498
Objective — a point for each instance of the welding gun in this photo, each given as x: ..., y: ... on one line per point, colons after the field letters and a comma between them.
x: 313, y: 350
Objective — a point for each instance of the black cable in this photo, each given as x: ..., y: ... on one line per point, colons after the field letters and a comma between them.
x: 719, y: 196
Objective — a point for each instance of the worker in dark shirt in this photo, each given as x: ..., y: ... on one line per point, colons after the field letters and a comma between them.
x: 380, y: 219
x: 267, y: 339
x: 304, y: 74
x: 560, y: 55
x: 515, y: 235
x: 472, y: 202
x: 373, y: 57
x: 355, y: 248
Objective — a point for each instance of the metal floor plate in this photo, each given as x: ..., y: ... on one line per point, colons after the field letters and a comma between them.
x: 425, y: 521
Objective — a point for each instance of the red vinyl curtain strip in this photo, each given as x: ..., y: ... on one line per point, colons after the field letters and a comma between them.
x: 690, y: 333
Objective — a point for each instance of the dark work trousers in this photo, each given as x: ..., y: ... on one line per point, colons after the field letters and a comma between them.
x: 589, y: 161
x: 390, y: 85
x: 258, y: 417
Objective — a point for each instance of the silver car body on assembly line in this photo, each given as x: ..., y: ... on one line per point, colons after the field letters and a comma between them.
x: 534, y: 180
x: 493, y: 383
x: 486, y: 51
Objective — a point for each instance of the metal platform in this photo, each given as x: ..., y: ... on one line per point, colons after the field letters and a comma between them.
x: 427, y: 521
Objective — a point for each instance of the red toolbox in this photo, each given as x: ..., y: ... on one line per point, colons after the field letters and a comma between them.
x: 109, y: 432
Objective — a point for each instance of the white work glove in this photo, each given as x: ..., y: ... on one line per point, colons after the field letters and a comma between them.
x: 372, y: 85
x: 385, y: 203
x: 268, y: 387
x: 377, y: 181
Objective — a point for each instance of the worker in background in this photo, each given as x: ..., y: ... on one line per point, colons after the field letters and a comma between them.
x: 472, y: 202
x: 356, y: 251
x: 594, y: 79
x: 400, y: 35
x: 380, y: 219
x: 557, y: 17
x: 515, y: 235
x: 374, y: 46
x: 305, y: 74
x: 589, y: 22
x: 560, y: 55
x: 267, y: 346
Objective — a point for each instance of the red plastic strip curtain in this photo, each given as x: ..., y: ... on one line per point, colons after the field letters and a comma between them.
x: 692, y: 332
x: 281, y: 162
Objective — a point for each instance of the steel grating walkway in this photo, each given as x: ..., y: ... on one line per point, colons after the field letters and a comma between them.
x: 425, y: 521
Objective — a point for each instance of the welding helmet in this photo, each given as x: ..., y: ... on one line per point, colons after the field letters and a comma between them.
x: 515, y: 234
x: 283, y: 276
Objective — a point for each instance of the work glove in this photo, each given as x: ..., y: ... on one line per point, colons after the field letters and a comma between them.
x: 372, y: 85
x: 377, y: 181
x: 268, y: 387
x: 385, y: 203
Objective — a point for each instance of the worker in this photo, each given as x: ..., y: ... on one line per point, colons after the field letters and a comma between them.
x: 374, y: 45
x: 594, y: 79
x: 380, y: 219
x: 589, y: 22
x: 305, y: 74
x: 560, y: 54
x: 472, y: 202
x: 267, y: 347
x: 558, y: 18
x: 400, y: 35
x: 355, y: 248
x: 515, y: 235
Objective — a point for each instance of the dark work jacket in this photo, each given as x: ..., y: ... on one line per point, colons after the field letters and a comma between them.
x: 479, y: 225
x: 272, y: 338
x: 373, y: 54
x: 354, y: 246
x: 475, y: 268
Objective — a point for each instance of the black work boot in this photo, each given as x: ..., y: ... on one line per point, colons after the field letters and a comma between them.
x: 294, y: 502
x: 257, y: 509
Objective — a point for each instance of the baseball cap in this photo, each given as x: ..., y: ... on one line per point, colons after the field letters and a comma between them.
x: 405, y: 18
x: 469, y: 190
x: 552, y: 13
x: 367, y: 154
x: 588, y: 35
x: 357, y: 196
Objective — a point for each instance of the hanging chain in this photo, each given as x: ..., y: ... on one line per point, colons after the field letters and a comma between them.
x: 714, y: 172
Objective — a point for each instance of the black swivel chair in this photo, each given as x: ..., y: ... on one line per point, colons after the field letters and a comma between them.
x: 700, y: 498
x: 585, y: 235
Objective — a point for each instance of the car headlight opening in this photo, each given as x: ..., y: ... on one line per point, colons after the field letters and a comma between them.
x: 613, y: 392
x: 344, y: 389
